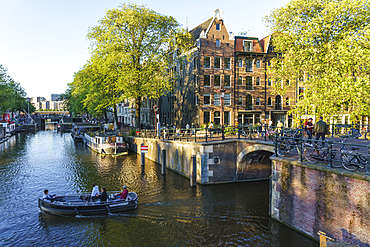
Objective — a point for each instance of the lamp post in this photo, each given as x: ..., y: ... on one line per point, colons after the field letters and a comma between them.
x: 155, y: 109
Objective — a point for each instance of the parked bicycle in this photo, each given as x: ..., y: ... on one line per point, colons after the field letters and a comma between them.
x: 314, y: 153
x: 352, y: 160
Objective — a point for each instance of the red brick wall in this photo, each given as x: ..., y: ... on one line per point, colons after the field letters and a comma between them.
x: 316, y: 198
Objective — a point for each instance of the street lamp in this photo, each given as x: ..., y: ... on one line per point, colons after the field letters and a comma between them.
x: 155, y: 109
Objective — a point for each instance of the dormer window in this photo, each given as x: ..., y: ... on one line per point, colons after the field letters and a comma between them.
x: 218, y: 27
x: 247, y: 45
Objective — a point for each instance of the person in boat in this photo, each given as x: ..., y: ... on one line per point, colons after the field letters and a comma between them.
x: 104, y: 196
x: 95, y: 192
x: 123, y: 194
x: 48, y: 197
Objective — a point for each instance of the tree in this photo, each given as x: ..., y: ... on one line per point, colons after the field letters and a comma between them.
x: 132, y: 43
x: 325, y: 45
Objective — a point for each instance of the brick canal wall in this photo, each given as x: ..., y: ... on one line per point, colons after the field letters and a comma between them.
x: 312, y: 198
x: 217, y: 161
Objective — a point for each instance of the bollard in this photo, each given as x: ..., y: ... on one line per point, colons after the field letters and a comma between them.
x: 163, y: 161
x: 223, y: 132
x: 238, y: 131
x: 193, y: 176
x: 206, y: 132
x: 143, y: 159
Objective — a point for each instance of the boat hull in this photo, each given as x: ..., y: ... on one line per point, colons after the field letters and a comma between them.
x: 74, y: 206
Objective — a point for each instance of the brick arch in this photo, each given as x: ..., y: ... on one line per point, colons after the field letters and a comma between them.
x: 252, y: 148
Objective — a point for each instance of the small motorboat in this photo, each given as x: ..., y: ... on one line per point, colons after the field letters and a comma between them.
x: 77, y: 205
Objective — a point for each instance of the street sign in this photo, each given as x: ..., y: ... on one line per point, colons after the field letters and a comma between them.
x: 144, y: 149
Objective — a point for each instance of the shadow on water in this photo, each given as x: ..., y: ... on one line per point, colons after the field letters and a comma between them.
x: 170, y: 212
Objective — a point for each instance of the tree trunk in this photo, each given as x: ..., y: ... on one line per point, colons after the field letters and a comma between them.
x: 115, y: 116
x: 137, y: 112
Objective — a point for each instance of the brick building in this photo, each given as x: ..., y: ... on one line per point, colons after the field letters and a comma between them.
x: 223, y: 80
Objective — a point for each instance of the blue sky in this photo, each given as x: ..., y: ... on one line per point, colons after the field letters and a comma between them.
x: 43, y: 42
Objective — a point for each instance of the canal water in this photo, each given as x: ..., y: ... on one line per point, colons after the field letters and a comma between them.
x: 170, y: 212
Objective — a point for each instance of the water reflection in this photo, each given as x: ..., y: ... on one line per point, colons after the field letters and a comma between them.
x: 170, y: 213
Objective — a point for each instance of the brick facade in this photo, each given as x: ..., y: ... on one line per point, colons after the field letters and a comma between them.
x: 314, y: 198
x: 207, y: 86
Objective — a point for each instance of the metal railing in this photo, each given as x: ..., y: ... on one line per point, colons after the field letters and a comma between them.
x: 336, y: 154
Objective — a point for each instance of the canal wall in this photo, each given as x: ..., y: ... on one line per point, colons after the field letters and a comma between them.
x: 312, y: 198
x: 217, y: 161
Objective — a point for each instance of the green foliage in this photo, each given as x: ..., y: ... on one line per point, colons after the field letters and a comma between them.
x: 325, y: 46
x: 12, y: 95
x: 132, y: 132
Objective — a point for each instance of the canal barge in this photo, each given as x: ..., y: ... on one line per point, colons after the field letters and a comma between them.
x: 78, y: 129
x: 105, y: 143
x: 76, y: 205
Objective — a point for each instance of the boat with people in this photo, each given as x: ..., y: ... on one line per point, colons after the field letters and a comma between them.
x: 105, y: 142
x: 73, y: 205
x: 78, y: 129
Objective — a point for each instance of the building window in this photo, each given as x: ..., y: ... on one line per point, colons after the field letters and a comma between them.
x: 287, y: 101
x: 227, y: 99
x: 287, y: 82
x: 258, y: 81
x: 196, y: 99
x: 249, y: 65
x: 226, y: 118
x: 269, y: 82
x: 247, y: 45
x: 217, y: 80
x: 218, y: 27
x: 240, y: 80
x: 218, y: 43
x: 217, y: 117
x: 217, y: 101
x: 278, y: 102
x: 258, y: 101
x: 240, y: 101
x: 227, y: 81
x: 248, y: 83
x: 196, y: 80
x: 269, y: 101
x: 227, y: 63
x: 217, y: 63
x: 206, y: 117
x: 240, y: 63
x: 248, y: 103
x: 207, y: 99
x: 207, y: 62
x: 207, y: 80
x: 258, y: 64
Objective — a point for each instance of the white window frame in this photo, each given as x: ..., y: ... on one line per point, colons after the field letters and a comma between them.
x: 204, y: 80
x: 214, y: 64
x: 250, y: 47
x: 219, y: 26
x: 227, y: 99
x: 204, y: 65
x: 216, y: 99
x: 225, y: 80
x: 218, y: 43
x: 214, y: 80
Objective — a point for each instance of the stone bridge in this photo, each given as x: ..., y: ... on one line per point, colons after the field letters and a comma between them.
x: 217, y: 161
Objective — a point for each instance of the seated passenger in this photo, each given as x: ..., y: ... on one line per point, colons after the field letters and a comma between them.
x: 95, y: 192
x: 104, y: 196
x: 47, y: 197
x: 123, y: 194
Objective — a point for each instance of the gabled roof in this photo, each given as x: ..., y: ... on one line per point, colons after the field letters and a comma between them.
x: 265, y: 42
x: 202, y: 27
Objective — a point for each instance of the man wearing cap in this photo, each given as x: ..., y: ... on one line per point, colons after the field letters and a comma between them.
x: 123, y: 194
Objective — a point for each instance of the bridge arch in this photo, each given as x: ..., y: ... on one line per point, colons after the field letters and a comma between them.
x: 253, y: 162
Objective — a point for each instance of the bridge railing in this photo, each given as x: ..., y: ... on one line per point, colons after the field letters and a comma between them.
x: 206, y: 134
x: 353, y: 155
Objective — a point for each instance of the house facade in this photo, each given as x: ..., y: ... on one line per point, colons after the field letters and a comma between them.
x: 224, y: 80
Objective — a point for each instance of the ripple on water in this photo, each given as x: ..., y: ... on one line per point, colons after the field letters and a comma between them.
x: 170, y: 212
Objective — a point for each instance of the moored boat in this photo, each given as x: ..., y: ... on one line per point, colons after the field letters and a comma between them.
x: 78, y: 129
x: 105, y: 143
x: 73, y: 205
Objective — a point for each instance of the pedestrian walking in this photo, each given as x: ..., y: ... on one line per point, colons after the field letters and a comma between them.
x: 309, y: 129
x: 321, y: 129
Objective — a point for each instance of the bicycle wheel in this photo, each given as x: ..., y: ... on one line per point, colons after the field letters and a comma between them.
x: 309, y: 154
x: 349, y: 162
x: 367, y: 135
x: 282, y: 148
x: 363, y: 161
